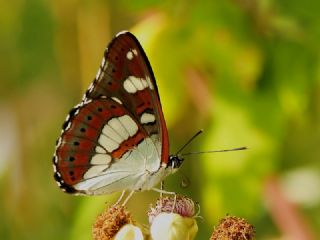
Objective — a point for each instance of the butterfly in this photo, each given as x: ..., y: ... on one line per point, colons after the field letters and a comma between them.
x: 116, y: 138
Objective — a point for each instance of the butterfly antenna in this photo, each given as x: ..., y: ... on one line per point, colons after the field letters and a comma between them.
x: 190, y: 140
x: 215, y: 151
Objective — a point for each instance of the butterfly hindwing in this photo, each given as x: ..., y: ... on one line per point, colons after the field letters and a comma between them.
x: 95, y: 135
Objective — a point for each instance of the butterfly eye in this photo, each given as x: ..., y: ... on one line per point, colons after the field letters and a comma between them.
x: 82, y: 129
x: 71, y: 159
x: 76, y: 143
x: 100, y: 109
x: 89, y: 118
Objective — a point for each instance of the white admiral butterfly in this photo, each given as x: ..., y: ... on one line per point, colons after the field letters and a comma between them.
x: 116, y: 139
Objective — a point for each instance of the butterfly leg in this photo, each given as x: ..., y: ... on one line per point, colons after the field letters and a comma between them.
x: 161, y: 193
x: 174, y: 202
x: 128, y: 197
x: 120, y: 198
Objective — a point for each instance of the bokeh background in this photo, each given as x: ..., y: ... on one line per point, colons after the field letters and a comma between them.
x: 245, y: 71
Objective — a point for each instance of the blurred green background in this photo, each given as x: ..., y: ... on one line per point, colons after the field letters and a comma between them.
x: 246, y: 71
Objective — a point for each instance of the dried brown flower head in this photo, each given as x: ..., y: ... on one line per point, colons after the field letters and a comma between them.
x: 109, y: 222
x: 233, y: 228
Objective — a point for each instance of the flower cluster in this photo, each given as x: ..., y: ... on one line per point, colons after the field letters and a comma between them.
x: 170, y: 219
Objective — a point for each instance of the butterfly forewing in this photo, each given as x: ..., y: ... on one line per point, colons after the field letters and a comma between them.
x: 118, y: 129
x: 126, y: 75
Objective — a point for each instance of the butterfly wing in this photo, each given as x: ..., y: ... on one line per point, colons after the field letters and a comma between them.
x: 118, y: 131
x: 126, y: 75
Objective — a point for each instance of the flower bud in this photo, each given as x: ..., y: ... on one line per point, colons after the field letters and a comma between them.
x: 173, y: 220
x: 129, y: 232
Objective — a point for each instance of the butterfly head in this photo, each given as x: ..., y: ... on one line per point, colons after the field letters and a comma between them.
x: 175, y: 161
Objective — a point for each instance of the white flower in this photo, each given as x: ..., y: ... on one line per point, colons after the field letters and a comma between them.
x: 129, y: 232
x: 172, y: 226
x: 173, y: 219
